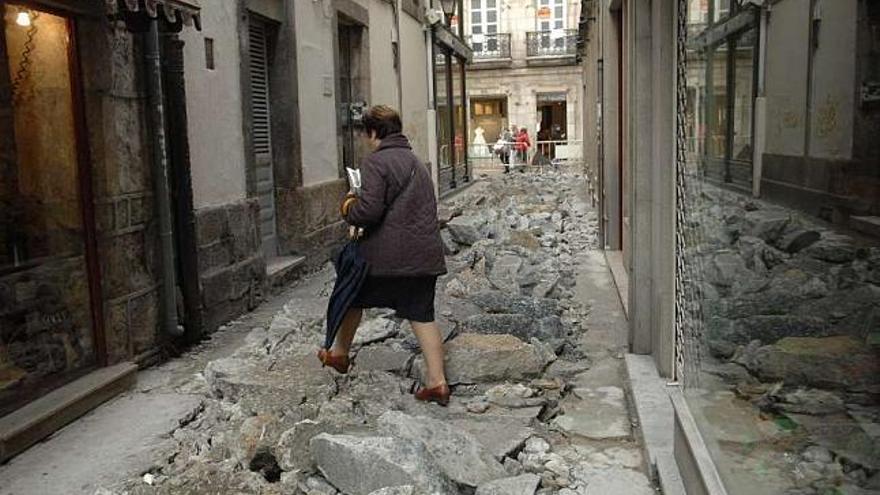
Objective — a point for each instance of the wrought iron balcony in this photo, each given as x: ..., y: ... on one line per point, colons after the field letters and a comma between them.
x: 490, y: 46
x: 555, y: 43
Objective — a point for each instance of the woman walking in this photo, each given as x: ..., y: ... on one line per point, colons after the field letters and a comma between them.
x: 397, y: 210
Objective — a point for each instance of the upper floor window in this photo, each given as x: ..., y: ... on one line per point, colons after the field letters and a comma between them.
x: 551, y: 15
x: 484, y: 16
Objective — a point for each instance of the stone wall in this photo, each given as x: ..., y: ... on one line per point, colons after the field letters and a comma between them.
x: 231, y: 264
x: 116, y: 115
x: 308, y: 219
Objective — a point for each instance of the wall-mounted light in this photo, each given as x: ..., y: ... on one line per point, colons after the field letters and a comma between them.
x: 23, y: 18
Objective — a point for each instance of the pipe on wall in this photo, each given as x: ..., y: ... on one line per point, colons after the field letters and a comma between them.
x: 168, y: 287
x: 760, y: 115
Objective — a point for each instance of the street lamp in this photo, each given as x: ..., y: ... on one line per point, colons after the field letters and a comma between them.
x: 448, y: 7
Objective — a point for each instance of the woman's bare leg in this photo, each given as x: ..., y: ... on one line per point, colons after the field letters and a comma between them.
x: 432, y: 348
x: 347, y: 329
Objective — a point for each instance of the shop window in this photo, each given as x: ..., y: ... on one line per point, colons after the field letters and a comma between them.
x: 45, y: 320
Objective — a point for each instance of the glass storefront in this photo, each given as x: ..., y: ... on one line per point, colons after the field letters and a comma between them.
x: 782, y: 366
x: 452, y: 138
x: 46, y: 327
x: 460, y: 119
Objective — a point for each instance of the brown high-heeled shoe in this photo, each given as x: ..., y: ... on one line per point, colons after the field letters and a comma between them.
x: 439, y: 394
x: 338, y: 363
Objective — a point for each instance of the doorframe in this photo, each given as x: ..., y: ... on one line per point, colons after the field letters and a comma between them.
x: 86, y: 194
x: 84, y: 174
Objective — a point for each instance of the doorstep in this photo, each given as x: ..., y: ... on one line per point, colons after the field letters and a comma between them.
x: 42, y: 417
x: 281, y: 270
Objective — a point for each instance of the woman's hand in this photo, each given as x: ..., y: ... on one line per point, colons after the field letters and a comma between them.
x: 347, y: 203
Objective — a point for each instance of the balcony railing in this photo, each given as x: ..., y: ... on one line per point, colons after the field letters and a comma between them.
x: 490, y: 46
x: 558, y: 42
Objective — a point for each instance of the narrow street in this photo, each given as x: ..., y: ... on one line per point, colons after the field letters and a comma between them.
x: 535, y: 340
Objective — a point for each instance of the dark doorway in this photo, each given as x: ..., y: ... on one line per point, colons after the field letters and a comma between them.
x: 552, y: 112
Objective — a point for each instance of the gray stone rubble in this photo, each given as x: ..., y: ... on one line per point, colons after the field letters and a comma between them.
x: 528, y: 414
x: 790, y: 308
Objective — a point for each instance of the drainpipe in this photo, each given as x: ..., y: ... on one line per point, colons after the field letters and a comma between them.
x: 168, y: 289
x: 760, y: 118
x: 433, y: 157
x: 396, y: 7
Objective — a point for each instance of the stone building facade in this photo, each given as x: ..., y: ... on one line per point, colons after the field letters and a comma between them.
x: 728, y: 158
x: 164, y: 164
x: 525, y: 69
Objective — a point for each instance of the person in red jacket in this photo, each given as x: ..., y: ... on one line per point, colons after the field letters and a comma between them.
x: 523, y: 143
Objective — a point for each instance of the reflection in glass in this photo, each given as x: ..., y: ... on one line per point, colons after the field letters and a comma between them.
x: 45, y: 322
x: 779, y: 368
x: 716, y: 102
x: 744, y: 70
x: 441, y: 78
x: 460, y: 131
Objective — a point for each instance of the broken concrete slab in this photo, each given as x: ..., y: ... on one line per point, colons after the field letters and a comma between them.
x: 525, y: 484
x: 293, y: 446
x: 396, y: 490
x: 549, y: 329
x: 499, y: 435
x: 375, y: 330
x: 597, y: 413
x: 467, y: 229
x: 362, y: 465
x: 266, y: 385
x: 383, y: 358
x: 507, y: 303
x: 475, y: 358
x: 457, y: 453
x: 616, y: 480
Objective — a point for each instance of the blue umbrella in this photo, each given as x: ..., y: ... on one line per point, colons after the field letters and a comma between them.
x: 351, y: 271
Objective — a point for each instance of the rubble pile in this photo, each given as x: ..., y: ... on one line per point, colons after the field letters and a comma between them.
x: 519, y: 420
x: 790, y: 308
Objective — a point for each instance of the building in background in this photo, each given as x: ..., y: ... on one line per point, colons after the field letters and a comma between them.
x: 166, y: 163
x: 732, y: 152
x: 525, y: 70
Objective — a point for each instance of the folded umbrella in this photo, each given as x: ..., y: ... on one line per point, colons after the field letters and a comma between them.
x: 351, y: 271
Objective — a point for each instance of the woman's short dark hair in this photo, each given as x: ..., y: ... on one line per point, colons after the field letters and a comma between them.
x: 383, y: 120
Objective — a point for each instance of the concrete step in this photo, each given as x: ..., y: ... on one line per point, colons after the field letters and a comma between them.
x: 656, y: 419
x: 282, y: 270
x: 866, y: 225
x: 42, y: 417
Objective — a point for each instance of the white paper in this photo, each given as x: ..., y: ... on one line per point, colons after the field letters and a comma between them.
x: 354, y: 179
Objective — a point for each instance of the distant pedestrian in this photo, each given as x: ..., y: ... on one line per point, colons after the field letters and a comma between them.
x: 508, y: 139
x: 401, y: 243
x: 523, y: 143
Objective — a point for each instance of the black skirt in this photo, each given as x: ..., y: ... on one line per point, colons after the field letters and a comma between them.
x: 412, y: 298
